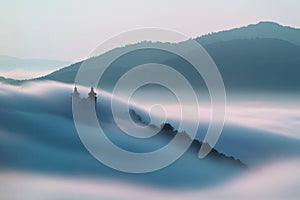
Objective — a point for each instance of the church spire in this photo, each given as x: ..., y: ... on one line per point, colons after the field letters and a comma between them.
x: 92, y: 94
x: 75, y: 94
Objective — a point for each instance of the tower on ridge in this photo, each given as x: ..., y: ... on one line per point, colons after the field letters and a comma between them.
x: 92, y: 95
x: 75, y: 94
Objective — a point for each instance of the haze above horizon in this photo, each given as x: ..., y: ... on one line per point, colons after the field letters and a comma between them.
x: 70, y: 30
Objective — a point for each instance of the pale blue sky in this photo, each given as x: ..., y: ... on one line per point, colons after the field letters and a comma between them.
x: 71, y: 29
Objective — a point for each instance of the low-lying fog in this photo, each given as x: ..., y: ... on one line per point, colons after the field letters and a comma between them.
x: 42, y: 156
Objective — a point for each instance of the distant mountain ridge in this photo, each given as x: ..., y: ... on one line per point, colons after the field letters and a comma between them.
x: 265, y: 56
x: 24, y: 68
x: 248, y: 64
x: 9, y: 81
x: 257, y: 64
x: 261, y: 30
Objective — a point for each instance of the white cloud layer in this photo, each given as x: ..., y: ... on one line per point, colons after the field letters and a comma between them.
x: 275, y: 181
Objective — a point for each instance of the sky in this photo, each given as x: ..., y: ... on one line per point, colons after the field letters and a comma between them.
x: 70, y: 30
